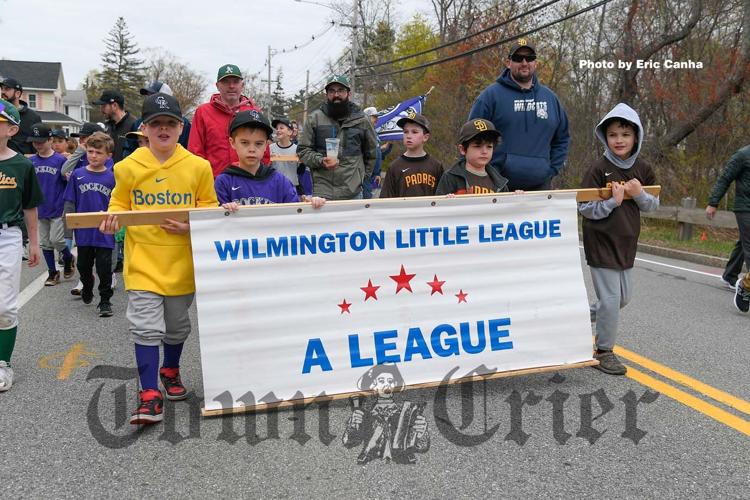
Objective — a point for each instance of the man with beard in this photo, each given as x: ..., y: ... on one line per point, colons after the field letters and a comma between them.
x: 340, y: 178
x: 387, y: 430
x: 11, y: 90
x: 531, y: 120
x: 209, y: 136
x: 118, y: 121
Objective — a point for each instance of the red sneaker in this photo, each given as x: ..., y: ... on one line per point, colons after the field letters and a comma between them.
x: 170, y: 379
x: 149, y: 410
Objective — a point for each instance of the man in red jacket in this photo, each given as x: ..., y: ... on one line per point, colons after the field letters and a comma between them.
x: 209, y: 137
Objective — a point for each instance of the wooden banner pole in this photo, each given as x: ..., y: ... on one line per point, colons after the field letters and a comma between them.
x: 156, y: 217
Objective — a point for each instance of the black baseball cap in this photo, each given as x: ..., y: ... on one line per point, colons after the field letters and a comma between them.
x: 283, y: 121
x: 520, y: 44
x: 160, y: 104
x: 155, y: 87
x: 12, y: 83
x: 478, y: 126
x: 416, y: 118
x: 39, y: 133
x: 87, y: 129
x: 250, y: 118
x: 110, y: 96
x: 58, y: 132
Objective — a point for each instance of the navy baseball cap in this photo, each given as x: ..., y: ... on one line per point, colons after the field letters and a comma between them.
x: 283, y: 121
x: 250, y: 118
x: 12, y: 83
x: 58, y: 132
x: 155, y: 87
x: 39, y: 133
x: 87, y: 129
x: 110, y: 96
x: 521, y: 43
x: 161, y: 104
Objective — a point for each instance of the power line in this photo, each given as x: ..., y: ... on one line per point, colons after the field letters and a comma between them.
x: 305, y: 44
x: 462, y: 39
x: 489, y: 45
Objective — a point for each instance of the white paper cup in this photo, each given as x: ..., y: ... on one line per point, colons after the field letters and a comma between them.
x: 332, y: 148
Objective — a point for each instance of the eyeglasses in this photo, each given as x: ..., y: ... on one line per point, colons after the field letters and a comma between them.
x: 517, y: 58
x: 339, y: 91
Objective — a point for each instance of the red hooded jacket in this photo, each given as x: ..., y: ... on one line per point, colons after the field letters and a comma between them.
x: 209, y: 136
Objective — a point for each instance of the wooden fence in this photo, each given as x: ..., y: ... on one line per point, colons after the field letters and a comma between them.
x: 687, y: 216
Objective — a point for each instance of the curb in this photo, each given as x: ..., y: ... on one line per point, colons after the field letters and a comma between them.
x: 696, y: 258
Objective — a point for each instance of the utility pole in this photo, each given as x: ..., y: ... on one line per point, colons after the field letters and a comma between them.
x: 270, y: 81
x: 307, y: 94
x: 353, y: 26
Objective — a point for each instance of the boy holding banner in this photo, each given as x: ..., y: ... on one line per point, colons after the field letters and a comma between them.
x: 611, y: 227
x: 476, y: 142
x: 159, y: 269
x: 251, y: 182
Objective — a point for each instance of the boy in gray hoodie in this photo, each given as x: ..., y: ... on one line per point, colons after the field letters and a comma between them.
x: 611, y: 227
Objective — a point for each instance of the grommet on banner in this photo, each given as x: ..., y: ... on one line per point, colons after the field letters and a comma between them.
x: 433, y: 204
x: 299, y: 210
x: 549, y: 196
x: 227, y: 214
x: 367, y: 205
x: 494, y: 200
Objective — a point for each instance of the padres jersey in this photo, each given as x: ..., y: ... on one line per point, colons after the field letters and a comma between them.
x: 612, y: 242
x: 408, y: 176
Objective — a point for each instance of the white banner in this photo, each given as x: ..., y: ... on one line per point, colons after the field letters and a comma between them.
x: 302, y: 303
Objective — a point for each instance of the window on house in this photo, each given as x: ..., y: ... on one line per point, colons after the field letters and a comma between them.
x: 32, y: 101
x: 67, y: 110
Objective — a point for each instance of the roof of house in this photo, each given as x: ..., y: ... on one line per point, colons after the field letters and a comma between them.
x: 55, y: 117
x: 32, y: 74
x: 75, y: 97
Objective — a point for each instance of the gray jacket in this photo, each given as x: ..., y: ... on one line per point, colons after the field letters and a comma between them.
x: 357, y: 152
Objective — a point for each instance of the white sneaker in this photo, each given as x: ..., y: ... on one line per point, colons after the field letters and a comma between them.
x: 6, y: 376
x: 77, y: 289
x: 729, y: 285
x: 114, y: 281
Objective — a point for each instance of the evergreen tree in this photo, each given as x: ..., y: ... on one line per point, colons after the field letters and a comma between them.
x: 122, y: 70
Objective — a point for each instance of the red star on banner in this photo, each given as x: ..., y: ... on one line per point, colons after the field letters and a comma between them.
x: 370, y: 290
x: 345, y: 307
x: 461, y: 296
x: 437, y: 286
x: 402, y: 280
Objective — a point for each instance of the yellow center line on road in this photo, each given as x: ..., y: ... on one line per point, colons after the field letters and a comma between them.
x: 685, y: 380
x: 693, y: 402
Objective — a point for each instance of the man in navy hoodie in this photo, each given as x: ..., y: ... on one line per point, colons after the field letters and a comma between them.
x: 533, y: 123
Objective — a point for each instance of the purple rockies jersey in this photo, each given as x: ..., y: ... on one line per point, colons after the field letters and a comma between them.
x: 52, y: 182
x: 90, y: 192
x: 269, y: 187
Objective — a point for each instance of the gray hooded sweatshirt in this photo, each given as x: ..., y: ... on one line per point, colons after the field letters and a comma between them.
x: 646, y: 202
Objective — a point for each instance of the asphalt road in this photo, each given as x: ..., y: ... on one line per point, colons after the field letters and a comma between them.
x: 63, y: 432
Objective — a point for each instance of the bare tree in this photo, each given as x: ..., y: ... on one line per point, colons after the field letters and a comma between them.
x: 188, y: 85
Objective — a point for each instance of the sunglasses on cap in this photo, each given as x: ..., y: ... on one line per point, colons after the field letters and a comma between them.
x: 517, y: 58
x: 7, y: 115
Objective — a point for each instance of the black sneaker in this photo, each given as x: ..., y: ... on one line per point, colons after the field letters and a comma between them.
x: 608, y: 363
x: 118, y: 267
x: 741, y: 297
x: 53, y: 279
x: 149, y: 409
x: 87, y: 295
x: 105, y: 309
x: 170, y: 379
x: 69, y: 268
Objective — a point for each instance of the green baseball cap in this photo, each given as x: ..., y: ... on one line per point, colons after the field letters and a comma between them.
x: 341, y: 80
x: 9, y: 113
x: 228, y: 70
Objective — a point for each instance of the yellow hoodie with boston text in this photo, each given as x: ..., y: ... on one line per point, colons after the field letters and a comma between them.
x: 157, y: 261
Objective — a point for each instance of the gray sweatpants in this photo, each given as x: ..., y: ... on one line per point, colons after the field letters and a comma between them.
x: 613, y: 289
x: 155, y: 318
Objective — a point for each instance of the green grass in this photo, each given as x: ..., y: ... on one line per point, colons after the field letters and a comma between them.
x: 706, y: 240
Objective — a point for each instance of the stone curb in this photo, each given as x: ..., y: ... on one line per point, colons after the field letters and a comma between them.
x: 696, y: 258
